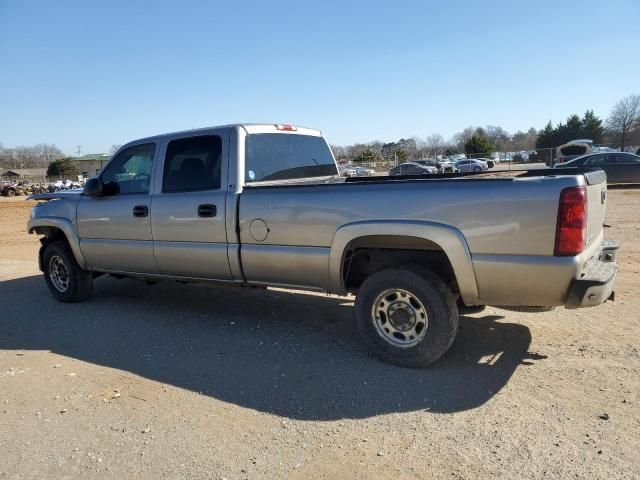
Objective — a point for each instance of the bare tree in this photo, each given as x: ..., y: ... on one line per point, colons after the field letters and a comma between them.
x: 624, y: 117
x: 114, y: 148
x: 435, y: 145
x: 459, y: 139
x: 498, y: 136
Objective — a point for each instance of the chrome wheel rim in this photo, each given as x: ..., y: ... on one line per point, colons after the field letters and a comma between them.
x: 400, y: 318
x: 58, y: 274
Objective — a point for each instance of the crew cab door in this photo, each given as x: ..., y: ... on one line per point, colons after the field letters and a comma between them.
x: 188, y: 218
x: 115, y: 229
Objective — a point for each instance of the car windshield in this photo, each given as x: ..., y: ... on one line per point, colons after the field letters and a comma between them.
x: 278, y: 156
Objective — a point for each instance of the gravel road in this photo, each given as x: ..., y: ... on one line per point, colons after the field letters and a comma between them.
x: 169, y: 381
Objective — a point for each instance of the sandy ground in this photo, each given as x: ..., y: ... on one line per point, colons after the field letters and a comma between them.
x: 195, y: 382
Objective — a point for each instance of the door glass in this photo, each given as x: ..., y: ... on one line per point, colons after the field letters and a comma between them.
x: 627, y: 159
x: 130, y: 170
x: 192, y: 164
x: 597, y: 160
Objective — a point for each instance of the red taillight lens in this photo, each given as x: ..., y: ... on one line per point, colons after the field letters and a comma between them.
x: 286, y: 128
x: 572, y: 222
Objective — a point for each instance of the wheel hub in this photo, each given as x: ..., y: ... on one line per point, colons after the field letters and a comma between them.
x: 58, y: 274
x: 400, y: 318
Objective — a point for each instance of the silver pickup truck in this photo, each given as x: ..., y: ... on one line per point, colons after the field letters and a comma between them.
x: 264, y: 205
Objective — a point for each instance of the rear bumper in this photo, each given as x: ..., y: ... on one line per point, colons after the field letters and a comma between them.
x: 596, y: 283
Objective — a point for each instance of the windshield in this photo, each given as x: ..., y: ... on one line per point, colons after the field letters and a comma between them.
x: 277, y: 156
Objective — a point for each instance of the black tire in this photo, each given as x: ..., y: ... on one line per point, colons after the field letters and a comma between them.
x: 477, y: 169
x: 435, y: 297
x: 58, y: 256
x: 10, y: 192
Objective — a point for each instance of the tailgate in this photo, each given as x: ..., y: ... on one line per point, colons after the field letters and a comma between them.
x: 596, y: 205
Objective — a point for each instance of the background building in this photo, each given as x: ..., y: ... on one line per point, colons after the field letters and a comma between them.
x: 89, y: 165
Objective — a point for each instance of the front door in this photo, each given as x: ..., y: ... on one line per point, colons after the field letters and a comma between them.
x: 188, y: 218
x: 115, y: 229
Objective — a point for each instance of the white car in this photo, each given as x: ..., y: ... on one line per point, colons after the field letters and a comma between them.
x: 471, y: 165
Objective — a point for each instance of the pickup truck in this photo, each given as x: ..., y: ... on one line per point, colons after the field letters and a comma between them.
x: 264, y: 205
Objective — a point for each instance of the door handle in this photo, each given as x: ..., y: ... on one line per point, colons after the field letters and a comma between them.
x: 140, y: 211
x: 207, y: 210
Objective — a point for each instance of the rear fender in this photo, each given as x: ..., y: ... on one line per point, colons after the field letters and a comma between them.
x: 450, y: 240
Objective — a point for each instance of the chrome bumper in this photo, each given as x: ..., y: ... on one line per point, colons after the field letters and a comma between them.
x: 596, y: 283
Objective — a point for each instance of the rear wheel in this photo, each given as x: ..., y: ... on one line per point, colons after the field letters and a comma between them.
x: 67, y: 282
x: 406, y: 318
x: 11, y: 192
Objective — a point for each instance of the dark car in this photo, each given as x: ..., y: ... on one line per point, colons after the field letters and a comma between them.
x: 620, y: 167
x: 412, y: 168
x: 431, y: 163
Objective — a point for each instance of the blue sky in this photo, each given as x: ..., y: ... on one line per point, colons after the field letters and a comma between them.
x: 102, y: 73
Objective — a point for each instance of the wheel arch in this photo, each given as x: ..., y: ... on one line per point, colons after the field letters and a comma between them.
x: 404, y: 236
x: 54, y: 228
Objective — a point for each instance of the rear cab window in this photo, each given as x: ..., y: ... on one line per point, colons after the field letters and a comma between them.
x: 282, y: 156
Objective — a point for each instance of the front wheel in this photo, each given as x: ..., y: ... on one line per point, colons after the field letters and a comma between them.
x: 405, y: 317
x: 65, y: 279
x: 477, y: 169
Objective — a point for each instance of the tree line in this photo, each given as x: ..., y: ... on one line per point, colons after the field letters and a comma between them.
x: 620, y: 129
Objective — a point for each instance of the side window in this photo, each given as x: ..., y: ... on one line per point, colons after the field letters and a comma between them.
x: 193, y: 163
x: 130, y: 170
x: 597, y: 160
x: 622, y: 158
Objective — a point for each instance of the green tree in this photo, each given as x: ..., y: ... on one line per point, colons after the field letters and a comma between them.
x: 546, y: 136
x: 365, y: 156
x: 478, y: 144
x: 592, y: 127
x: 65, y: 167
x: 401, y: 155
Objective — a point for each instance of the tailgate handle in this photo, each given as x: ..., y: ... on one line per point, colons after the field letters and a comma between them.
x: 140, y: 211
x: 207, y: 210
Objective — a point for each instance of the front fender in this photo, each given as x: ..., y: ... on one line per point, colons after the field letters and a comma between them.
x: 448, y: 238
x: 66, y: 227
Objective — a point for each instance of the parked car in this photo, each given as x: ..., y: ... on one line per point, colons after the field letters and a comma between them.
x: 448, y: 165
x: 12, y: 190
x: 352, y: 171
x: 620, y: 167
x: 263, y: 205
x: 489, y: 161
x: 413, y: 168
x: 431, y: 163
x: 471, y: 165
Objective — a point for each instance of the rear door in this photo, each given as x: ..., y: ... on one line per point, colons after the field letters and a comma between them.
x: 188, y: 218
x: 628, y: 168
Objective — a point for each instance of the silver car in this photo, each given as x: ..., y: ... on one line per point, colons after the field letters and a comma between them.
x: 471, y: 165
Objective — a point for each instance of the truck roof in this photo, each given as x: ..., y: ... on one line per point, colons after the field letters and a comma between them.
x: 250, y: 128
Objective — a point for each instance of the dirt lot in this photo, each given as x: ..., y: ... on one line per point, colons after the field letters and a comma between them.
x: 195, y: 382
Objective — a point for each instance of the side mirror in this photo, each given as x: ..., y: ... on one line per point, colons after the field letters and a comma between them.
x: 93, y: 188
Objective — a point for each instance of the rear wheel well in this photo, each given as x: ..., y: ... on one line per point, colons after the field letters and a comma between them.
x: 367, y: 255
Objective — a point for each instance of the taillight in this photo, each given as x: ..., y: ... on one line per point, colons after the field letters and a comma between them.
x: 286, y: 128
x: 572, y: 222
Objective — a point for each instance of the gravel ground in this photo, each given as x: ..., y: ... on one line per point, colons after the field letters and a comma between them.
x: 197, y: 382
